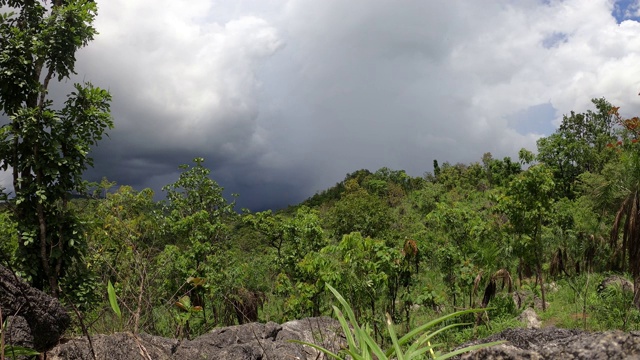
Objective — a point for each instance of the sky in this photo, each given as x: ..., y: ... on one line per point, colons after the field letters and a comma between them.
x: 283, y: 98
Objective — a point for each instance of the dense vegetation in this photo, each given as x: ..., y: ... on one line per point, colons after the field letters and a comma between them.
x: 413, y: 247
x: 549, y: 225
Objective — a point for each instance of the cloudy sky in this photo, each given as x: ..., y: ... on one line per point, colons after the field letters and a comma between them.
x: 284, y: 97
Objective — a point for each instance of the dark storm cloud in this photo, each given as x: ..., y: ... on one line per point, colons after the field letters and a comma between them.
x: 283, y: 98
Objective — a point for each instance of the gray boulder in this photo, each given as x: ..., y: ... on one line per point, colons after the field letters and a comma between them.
x: 615, y: 281
x: 119, y: 346
x: 45, y: 320
x: 242, y: 342
x: 553, y: 343
x: 530, y: 319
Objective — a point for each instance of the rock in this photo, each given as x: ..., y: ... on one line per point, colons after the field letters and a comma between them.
x: 615, y: 280
x: 120, y: 346
x: 323, y: 331
x: 526, y: 298
x: 530, y: 319
x: 551, y: 287
x: 18, y: 332
x: 553, y: 343
x: 45, y: 318
x: 242, y: 342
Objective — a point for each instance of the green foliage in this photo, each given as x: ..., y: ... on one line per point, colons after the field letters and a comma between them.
x: 462, y: 176
x: 414, y: 345
x: 579, y: 145
x: 426, y: 199
x: 388, y: 242
x: 527, y: 202
x: 47, y: 149
x: 503, y: 307
x: 614, y: 309
x: 291, y: 237
x: 358, y: 210
x: 184, y: 315
x: 9, y: 236
x: 123, y: 234
x: 499, y: 172
x: 580, y: 302
x: 366, y: 266
x: 16, y: 352
x: 528, y: 199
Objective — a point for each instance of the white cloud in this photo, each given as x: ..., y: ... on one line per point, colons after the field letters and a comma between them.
x: 177, y: 78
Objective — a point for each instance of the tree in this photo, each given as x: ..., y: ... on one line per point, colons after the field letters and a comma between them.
x: 579, y: 145
x: 458, y: 229
x: 46, y: 149
x: 123, y: 233
x: 628, y: 214
x: 366, y: 265
x: 197, y: 226
x: 499, y: 172
x: 461, y: 176
x: 292, y: 237
x: 358, y: 210
x: 527, y: 203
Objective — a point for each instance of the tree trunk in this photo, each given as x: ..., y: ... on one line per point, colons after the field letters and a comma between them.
x: 539, y: 262
x: 544, y: 300
x: 636, y: 292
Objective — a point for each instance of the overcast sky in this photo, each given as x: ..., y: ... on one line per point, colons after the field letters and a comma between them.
x: 283, y: 98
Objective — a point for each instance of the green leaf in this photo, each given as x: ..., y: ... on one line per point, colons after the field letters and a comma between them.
x: 12, y: 351
x: 113, y: 300
x: 394, y: 339
x: 319, y: 348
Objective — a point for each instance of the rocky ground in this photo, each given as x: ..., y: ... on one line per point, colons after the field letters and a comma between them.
x: 38, y: 321
x: 554, y: 343
x: 243, y: 342
x: 269, y: 341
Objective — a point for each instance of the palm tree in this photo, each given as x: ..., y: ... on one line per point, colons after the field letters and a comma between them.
x: 628, y: 215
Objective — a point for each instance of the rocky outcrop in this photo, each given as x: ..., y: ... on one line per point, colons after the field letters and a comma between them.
x: 553, y: 343
x: 242, y: 342
x: 37, y: 320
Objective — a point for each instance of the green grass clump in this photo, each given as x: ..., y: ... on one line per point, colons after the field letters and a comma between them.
x: 416, y: 344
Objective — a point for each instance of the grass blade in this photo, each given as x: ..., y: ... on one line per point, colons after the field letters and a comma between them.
x: 113, y: 300
x: 319, y: 348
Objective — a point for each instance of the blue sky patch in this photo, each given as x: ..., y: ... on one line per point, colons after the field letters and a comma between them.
x: 626, y: 10
x: 537, y: 119
x: 554, y: 40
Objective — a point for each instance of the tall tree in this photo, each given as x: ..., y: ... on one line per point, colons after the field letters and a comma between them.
x: 197, y: 210
x: 46, y: 149
x: 579, y: 145
x: 527, y: 203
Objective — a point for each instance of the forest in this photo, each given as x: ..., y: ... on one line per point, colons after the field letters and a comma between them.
x: 545, y: 228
